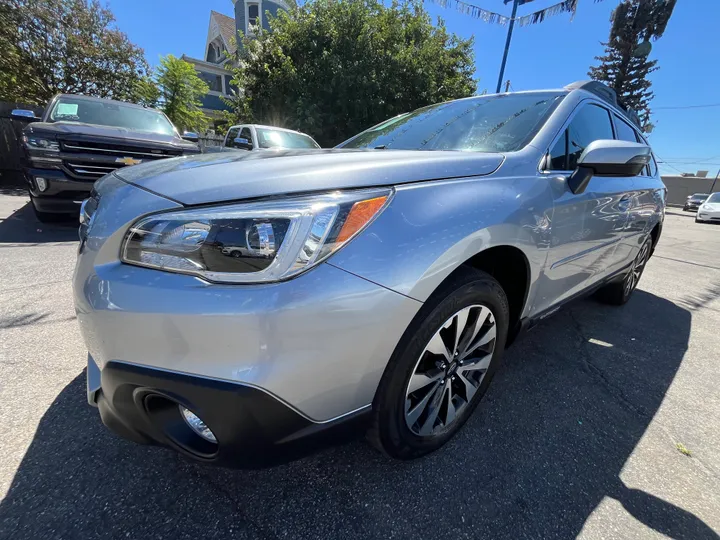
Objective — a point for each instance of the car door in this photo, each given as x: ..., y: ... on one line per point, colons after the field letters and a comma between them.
x: 585, y: 227
x: 641, y: 206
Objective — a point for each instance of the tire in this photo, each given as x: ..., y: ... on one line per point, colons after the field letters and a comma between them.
x: 470, y: 292
x: 619, y: 292
x: 48, y: 217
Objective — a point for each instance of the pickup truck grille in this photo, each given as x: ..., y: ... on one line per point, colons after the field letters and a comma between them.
x: 96, y: 159
x: 118, y: 150
x: 90, y: 171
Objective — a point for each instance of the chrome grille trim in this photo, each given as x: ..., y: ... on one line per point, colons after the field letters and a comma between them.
x: 91, y: 171
x: 90, y: 150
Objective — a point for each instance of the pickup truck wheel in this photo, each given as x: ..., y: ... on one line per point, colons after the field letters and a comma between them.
x: 619, y: 292
x: 442, y: 366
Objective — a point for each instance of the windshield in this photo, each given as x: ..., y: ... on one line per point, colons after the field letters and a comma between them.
x: 498, y: 123
x: 105, y: 113
x: 275, y: 138
x: 702, y: 196
x: 714, y: 198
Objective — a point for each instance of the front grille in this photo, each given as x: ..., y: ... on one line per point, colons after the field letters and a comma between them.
x: 96, y: 159
x: 119, y: 150
x: 90, y: 171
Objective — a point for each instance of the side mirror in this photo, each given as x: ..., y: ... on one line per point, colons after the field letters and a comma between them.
x: 609, y: 158
x: 191, y: 136
x: 24, y: 115
x: 242, y: 143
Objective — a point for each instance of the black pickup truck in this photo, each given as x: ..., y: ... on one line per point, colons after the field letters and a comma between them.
x: 79, y: 139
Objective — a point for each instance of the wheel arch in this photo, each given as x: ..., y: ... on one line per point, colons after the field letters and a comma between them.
x: 511, y: 267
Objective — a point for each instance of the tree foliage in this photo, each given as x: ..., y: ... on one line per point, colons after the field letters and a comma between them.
x: 64, y: 46
x: 145, y: 92
x: 622, y: 67
x: 180, y: 89
x: 332, y: 68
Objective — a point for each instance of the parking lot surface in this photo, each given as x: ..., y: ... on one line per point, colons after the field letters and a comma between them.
x: 585, y: 431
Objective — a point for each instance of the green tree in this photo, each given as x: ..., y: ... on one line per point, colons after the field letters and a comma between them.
x: 68, y: 46
x: 145, y: 92
x: 625, y: 66
x: 180, y: 91
x: 333, y: 68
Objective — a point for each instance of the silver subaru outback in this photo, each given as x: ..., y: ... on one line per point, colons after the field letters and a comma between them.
x: 243, y: 309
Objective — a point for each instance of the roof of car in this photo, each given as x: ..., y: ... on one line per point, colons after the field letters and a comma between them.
x: 270, y: 127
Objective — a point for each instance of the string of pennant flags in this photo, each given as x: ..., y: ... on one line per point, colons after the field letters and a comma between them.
x: 566, y: 6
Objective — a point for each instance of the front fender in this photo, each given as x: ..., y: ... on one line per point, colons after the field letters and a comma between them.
x: 431, y: 228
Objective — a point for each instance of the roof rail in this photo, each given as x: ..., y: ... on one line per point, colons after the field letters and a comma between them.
x: 607, y: 94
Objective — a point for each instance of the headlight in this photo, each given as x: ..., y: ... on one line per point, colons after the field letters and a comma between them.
x: 252, y: 242
x: 38, y: 143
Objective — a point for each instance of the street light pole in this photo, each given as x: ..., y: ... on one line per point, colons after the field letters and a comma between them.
x: 507, y: 44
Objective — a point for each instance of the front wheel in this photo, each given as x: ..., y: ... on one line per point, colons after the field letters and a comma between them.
x: 441, y: 367
x: 619, y: 292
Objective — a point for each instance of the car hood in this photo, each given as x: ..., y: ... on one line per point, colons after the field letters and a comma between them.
x: 231, y: 176
x: 79, y: 131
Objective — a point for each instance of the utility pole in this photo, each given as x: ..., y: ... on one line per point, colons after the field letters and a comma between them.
x: 716, y: 179
x: 507, y: 44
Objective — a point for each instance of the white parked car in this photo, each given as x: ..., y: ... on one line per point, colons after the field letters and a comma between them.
x: 709, y: 210
x: 256, y: 137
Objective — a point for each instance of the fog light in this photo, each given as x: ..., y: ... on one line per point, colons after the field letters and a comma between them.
x: 197, y: 425
x: 42, y: 184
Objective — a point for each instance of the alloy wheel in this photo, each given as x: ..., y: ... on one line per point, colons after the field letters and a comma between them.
x: 632, y: 278
x: 450, y: 370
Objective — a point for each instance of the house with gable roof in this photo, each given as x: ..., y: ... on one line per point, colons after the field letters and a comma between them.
x: 220, y: 48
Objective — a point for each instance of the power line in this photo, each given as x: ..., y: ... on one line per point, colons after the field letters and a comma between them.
x: 676, y: 107
x: 661, y: 161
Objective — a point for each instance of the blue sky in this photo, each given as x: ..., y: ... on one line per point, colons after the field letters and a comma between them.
x: 546, y: 55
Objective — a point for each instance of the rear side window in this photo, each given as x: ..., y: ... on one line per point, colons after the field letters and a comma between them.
x: 624, y: 131
x: 651, y: 168
x: 591, y: 123
x: 231, y: 135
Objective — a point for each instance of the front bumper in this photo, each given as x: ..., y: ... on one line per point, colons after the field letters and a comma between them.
x: 708, y: 215
x: 317, y: 344
x: 253, y: 428
x: 63, y: 194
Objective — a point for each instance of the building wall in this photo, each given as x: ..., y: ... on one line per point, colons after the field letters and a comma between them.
x: 679, y: 187
x: 272, y: 9
x: 265, y: 6
x: 240, y: 18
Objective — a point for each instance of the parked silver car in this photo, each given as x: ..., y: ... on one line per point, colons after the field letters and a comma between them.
x: 242, y: 308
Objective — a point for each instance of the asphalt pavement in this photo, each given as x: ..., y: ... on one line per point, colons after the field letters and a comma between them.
x: 602, y: 422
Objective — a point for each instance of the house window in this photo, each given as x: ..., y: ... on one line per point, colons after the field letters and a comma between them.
x: 212, y: 80
x: 253, y: 17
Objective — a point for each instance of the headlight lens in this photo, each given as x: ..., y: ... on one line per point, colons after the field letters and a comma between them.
x: 252, y: 242
x: 38, y: 143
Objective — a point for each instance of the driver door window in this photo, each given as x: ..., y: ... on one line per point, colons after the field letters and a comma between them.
x: 231, y: 134
x: 245, y: 133
x: 591, y: 123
